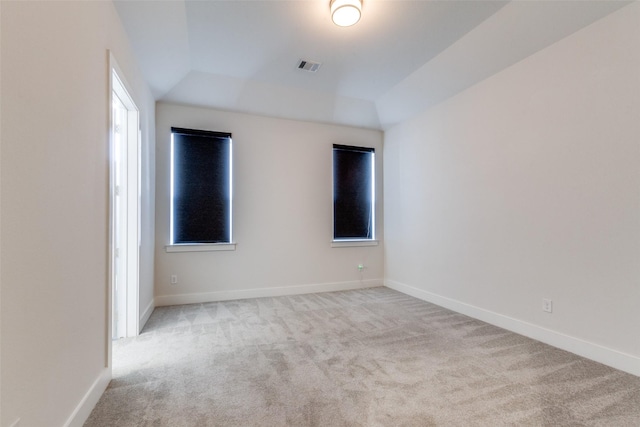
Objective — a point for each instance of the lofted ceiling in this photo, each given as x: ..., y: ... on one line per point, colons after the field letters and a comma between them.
x: 401, y: 58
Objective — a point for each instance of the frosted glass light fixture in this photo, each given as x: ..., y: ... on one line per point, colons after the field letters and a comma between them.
x: 346, y: 12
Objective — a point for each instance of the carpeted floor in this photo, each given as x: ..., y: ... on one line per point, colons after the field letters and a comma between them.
x: 371, y: 357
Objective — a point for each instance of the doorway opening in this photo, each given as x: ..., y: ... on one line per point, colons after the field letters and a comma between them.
x: 124, y: 208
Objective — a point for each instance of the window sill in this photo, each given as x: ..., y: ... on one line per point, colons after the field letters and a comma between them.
x: 201, y: 247
x: 353, y: 243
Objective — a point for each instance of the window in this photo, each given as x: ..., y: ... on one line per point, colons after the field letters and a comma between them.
x: 201, y: 187
x: 353, y: 193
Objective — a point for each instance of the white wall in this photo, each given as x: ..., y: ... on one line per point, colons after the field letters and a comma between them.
x: 147, y: 207
x: 526, y: 186
x: 54, y: 211
x: 282, y: 204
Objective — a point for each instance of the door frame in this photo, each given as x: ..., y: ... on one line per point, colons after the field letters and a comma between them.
x: 119, y: 86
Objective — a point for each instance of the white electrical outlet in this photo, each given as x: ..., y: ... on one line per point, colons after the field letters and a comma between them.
x: 174, y: 279
x: 547, y: 305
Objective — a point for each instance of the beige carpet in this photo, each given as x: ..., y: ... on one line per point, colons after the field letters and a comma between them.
x: 372, y: 357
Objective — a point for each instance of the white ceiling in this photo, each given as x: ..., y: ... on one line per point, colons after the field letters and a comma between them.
x: 402, y: 57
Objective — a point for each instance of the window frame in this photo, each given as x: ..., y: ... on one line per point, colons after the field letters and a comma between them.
x: 355, y: 241
x: 174, y: 246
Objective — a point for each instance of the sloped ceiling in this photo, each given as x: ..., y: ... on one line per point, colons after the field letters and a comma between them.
x: 401, y: 58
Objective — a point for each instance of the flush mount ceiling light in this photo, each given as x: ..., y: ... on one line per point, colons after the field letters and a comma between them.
x: 346, y: 12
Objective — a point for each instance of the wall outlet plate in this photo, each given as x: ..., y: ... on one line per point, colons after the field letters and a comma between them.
x: 547, y: 305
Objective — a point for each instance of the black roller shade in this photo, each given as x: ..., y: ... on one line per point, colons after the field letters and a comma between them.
x: 201, y: 186
x: 352, y: 192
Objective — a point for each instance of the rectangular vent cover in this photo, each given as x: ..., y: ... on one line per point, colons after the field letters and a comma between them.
x: 310, y: 66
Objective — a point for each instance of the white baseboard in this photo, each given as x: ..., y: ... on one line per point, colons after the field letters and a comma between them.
x: 146, y: 314
x: 88, y: 402
x: 164, y: 300
x: 607, y: 356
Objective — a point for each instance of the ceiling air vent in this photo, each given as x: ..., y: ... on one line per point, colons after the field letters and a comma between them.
x: 310, y: 66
